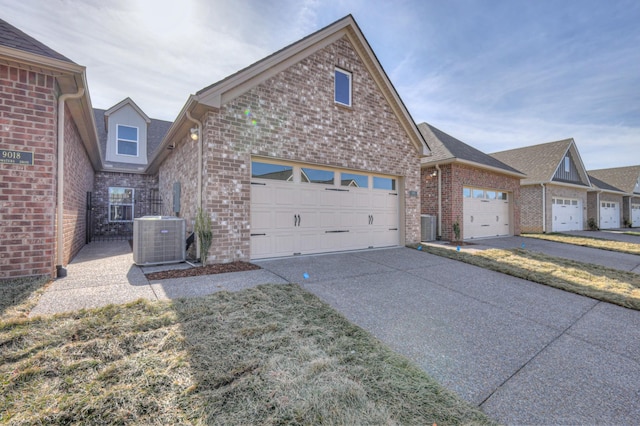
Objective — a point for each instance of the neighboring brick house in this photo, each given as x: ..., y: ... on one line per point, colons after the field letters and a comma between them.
x: 554, y: 193
x: 45, y: 110
x: 627, y: 181
x: 463, y: 185
x: 604, y: 205
x: 123, y: 189
x: 308, y: 150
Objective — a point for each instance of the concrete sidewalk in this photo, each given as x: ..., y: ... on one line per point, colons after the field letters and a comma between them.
x: 610, y: 259
x: 524, y: 352
x: 104, y: 273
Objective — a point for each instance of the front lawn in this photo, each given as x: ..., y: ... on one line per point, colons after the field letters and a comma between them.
x: 273, y: 354
x: 593, y: 242
x: 599, y: 282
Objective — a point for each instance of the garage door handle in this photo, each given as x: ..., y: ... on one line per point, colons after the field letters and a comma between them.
x: 336, y: 189
x: 258, y: 183
x: 296, y: 220
x: 335, y: 232
x: 258, y: 235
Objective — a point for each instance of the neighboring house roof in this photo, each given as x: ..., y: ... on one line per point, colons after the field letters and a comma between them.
x: 447, y: 149
x: 599, y: 184
x: 12, y: 37
x: 218, y: 94
x: 540, y: 162
x: 627, y: 179
x: 156, y: 131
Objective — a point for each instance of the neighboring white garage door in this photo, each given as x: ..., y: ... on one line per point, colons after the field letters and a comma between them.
x: 567, y: 214
x: 635, y: 215
x: 486, y: 213
x: 609, y: 215
x: 303, y: 210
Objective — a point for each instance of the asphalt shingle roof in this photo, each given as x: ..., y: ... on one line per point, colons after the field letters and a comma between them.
x: 624, y: 178
x: 538, y: 162
x: 602, y: 185
x: 12, y: 37
x: 445, y: 147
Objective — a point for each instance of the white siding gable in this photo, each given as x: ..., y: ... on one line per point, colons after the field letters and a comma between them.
x: 129, y: 117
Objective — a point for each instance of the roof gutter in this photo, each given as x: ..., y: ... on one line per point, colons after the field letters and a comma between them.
x: 60, y: 271
x: 425, y: 164
x: 200, y: 143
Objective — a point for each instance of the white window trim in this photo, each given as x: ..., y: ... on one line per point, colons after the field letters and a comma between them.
x: 349, y: 77
x: 133, y: 197
x: 118, y: 139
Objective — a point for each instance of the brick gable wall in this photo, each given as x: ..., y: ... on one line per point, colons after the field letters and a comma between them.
x: 292, y: 116
x: 78, y: 180
x: 27, y: 193
x: 454, y: 178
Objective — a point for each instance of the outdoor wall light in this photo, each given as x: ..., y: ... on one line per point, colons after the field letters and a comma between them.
x: 194, y: 133
x: 434, y: 173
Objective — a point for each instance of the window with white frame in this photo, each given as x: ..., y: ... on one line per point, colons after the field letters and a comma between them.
x: 127, y: 140
x: 567, y: 164
x: 121, y: 204
x: 342, y: 93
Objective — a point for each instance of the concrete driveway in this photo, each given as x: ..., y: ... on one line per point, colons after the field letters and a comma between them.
x: 611, y: 259
x: 524, y: 352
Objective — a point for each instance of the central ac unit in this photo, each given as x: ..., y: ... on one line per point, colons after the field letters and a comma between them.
x: 428, y: 227
x: 158, y: 240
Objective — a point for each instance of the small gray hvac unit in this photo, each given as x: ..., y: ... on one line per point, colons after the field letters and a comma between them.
x: 428, y: 227
x: 158, y: 240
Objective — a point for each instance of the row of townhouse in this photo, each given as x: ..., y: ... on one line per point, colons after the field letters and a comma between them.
x: 308, y: 150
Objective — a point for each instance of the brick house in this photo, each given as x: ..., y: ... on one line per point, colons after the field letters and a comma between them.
x: 554, y: 193
x: 48, y: 153
x: 463, y: 185
x: 123, y: 190
x: 309, y: 150
x: 626, y: 182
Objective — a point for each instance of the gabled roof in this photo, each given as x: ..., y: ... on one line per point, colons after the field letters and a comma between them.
x: 624, y: 178
x: 218, y: 94
x: 156, y: 131
x: 127, y: 101
x: 447, y: 149
x: 540, y: 162
x: 599, y: 184
x: 12, y: 37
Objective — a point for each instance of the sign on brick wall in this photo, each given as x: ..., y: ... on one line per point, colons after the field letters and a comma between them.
x: 16, y: 157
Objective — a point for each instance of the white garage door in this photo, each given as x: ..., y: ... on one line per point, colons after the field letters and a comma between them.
x: 635, y: 215
x: 486, y: 213
x: 567, y: 214
x: 609, y: 215
x: 304, y: 210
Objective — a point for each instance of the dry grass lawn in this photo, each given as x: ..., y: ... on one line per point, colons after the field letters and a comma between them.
x: 270, y: 355
x: 593, y: 242
x: 606, y: 284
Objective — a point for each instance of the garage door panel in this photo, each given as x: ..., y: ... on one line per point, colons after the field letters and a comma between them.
x: 566, y: 214
x: 486, y: 213
x: 291, y: 217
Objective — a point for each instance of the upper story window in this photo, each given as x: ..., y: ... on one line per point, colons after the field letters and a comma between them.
x: 567, y: 164
x: 127, y: 140
x: 342, y: 93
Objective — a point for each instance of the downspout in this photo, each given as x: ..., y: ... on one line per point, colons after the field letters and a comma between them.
x: 598, y: 208
x: 439, y: 234
x: 199, y: 190
x: 544, y: 210
x: 60, y: 271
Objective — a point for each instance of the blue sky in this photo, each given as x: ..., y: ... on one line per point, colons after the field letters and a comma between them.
x: 496, y: 74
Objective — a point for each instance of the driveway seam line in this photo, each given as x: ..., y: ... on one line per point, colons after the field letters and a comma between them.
x: 538, y: 353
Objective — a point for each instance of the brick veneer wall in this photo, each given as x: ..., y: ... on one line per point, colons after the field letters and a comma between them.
x: 296, y: 119
x: 78, y: 180
x: 27, y: 193
x: 142, y: 185
x: 454, y: 178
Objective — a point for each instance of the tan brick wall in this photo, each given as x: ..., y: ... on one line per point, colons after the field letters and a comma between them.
x: 531, y: 209
x: 454, y: 178
x: 27, y: 193
x: 78, y: 180
x: 296, y: 119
